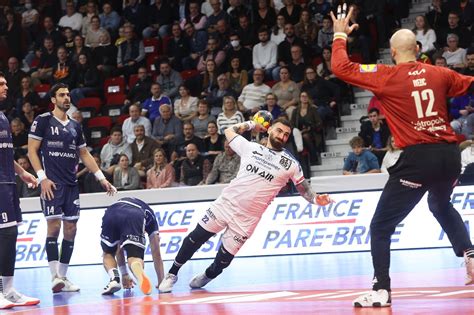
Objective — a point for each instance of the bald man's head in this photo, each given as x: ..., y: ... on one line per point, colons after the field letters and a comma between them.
x: 403, y: 46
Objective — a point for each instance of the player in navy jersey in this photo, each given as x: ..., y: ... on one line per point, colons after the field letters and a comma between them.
x: 413, y: 97
x: 55, y: 145
x: 10, y: 213
x: 123, y: 228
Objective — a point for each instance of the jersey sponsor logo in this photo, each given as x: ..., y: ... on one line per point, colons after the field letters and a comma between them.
x: 256, y: 170
x: 5, y: 145
x: 368, y: 68
x: 257, y: 153
x: 4, y: 134
x: 62, y: 154
x: 409, y: 184
x: 33, y: 126
x: 285, y: 162
x: 417, y: 72
x: 240, y: 240
x: 55, y: 144
x: 72, y: 147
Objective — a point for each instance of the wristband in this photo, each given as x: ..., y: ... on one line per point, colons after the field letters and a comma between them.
x: 341, y: 35
x: 123, y: 270
x: 250, y: 124
x: 41, y: 176
x: 99, y: 175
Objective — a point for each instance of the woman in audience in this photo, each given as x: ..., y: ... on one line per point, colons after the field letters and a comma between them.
x: 424, y: 34
x: 455, y: 56
x: 125, y: 176
x: 324, y: 68
x: 95, y: 32
x: 271, y: 105
x: 87, y: 79
x: 263, y: 14
x: 306, y: 118
x: 79, y: 48
x: 287, y: 91
x: 28, y: 115
x: 213, y: 142
x: 162, y: 174
x: 26, y: 94
x: 391, y: 156
x: 19, y: 137
x: 208, y: 78
x: 306, y: 29
x: 278, y: 34
x: 185, y: 107
x: 202, y: 119
x: 238, y: 77
x: 291, y: 11
x: 229, y: 116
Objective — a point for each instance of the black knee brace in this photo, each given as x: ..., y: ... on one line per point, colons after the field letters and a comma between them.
x: 222, y: 261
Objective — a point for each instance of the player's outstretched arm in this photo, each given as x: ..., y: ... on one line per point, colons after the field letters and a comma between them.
x: 307, y: 193
x: 92, y: 166
x: 156, y: 254
x: 231, y: 132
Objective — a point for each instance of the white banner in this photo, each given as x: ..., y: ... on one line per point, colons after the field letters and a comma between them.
x: 289, y: 226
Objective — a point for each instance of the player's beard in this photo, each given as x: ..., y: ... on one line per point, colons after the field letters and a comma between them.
x: 275, y: 143
x: 64, y: 107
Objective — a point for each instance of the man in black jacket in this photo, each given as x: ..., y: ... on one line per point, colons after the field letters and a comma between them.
x: 375, y: 134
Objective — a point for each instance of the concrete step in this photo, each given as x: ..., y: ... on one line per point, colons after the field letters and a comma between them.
x: 363, y: 93
x: 415, y: 2
x: 347, y: 132
x: 337, y: 145
x: 363, y: 100
x: 333, y: 158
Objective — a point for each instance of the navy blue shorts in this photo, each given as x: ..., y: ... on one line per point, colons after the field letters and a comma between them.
x: 10, y: 213
x: 65, y: 204
x: 123, y: 224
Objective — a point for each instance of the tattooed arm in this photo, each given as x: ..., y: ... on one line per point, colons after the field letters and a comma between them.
x: 307, y: 193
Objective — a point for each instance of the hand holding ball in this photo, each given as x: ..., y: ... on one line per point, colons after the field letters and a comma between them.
x: 263, y: 118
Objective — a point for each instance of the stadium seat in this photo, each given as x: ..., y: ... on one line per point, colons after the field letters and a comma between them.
x: 151, y: 61
x: 103, y: 141
x: 151, y: 45
x: 113, y: 105
x: 132, y: 80
x: 316, y: 61
x: 270, y: 83
x: 42, y: 89
x: 98, y: 128
x: 114, y: 85
x: 89, y: 106
x: 121, y: 119
x: 188, y: 74
x: 164, y: 43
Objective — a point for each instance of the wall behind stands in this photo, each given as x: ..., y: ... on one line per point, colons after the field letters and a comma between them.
x: 289, y: 226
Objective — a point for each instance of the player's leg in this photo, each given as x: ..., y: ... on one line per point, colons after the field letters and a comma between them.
x: 221, y: 261
x: 110, y: 238
x: 71, y: 215
x: 135, y: 255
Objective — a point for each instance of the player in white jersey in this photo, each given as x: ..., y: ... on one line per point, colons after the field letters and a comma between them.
x: 263, y: 171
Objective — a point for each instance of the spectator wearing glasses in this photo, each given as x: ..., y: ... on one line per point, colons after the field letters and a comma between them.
x: 217, y: 95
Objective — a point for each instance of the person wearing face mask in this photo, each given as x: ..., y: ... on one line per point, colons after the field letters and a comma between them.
x: 236, y: 50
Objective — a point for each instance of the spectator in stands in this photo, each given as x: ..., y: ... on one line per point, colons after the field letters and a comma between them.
x: 109, y: 19
x: 151, y: 106
x: 230, y: 114
x: 278, y: 31
x: 63, y: 70
x: 136, y: 13
x: 142, y: 150
x: 324, y: 93
x: 131, y: 54
x: 221, y: 32
x: 237, y: 76
x: 48, y: 30
x: 291, y: 11
x: 455, y: 56
x: 225, y: 167
x: 253, y: 94
x: 440, y: 61
x: 178, y: 47
x: 263, y: 14
x: 360, y: 39
x: 454, y: 28
x: 392, y: 155
x: 87, y: 79
x: 466, y: 10
x: 169, y: 79
x: 462, y: 111
x: 318, y: 10
x: 287, y: 91
x: 188, y: 136
x: 211, y: 53
x: 264, y: 54
x: 437, y: 15
x: 375, y: 103
x: 105, y: 57
x: 469, y: 70
x: 125, y: 176
x: 90, y: 183
x: 271, y: 105
x: 30, y: 23
x: 421, y: 56
x: 200, y: 122
x: 307, y: 30
x: 79, y: 48
x: 306, y: 119
x: 194, y: 168
x: 161, y: 174
x: 159, y: 21
x: 135, y: 119
x: 284, y: 49
x: 140, y: 91
x: 19, y: 137
x: 68, y: 35
x: 48, y: 59
x: 91, y: 11
x: 185, y: 107
x: 72, y: 18
x: 94, y: 33
x: 467, y: 158
x: 208, y: 79
x: 117, y: 145
x: 166, y: 128
x: 26, y: 94
x: 217, y: 13
x: 325, y: 34
x: 236, y: 11
x: 24, y: 191
x: 324, y: 68
x: 13, y: 35
x: 236, y: 50
x: 217, y: 94
x: 14, y: 76
x: 375, y: 133
x: 197, y: 41
x: 424, y: 34
x: 360, y: 160
x: 195, y: 17
x: 213, y: 142
x: 27, y: 115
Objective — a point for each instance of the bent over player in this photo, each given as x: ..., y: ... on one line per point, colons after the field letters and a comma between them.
x: 263, y: 171
x: 123, y: 227
x: 60, y: 143
x: 413, y: 97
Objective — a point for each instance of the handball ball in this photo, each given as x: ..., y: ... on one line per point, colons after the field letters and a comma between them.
x: 264, y: 118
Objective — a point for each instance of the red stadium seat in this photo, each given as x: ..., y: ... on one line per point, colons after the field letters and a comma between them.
x: 89, y: 106
x: 188, y: 74
x: 271, y: 83
x: 151, y: 60
x: 98, y: 128
x: 121, y: 119
x: 151, y: 45
x: 113, y: 105
x: 164, y: 43
x: 132, y: 80
x: 316, y: 61
x: 103, y: 141
x: 115, y: 85
x: 42, y: 89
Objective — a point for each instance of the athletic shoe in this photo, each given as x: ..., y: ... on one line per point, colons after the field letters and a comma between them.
x: 112, y: 287
x: 168, y: 282
x: 143, y: 281
x: 69, y: 286
x: 57, y: 285
x: 4, y: 303
x: 199, y: 281
x: 19, y: 299
x: 469, y: 262
x: 380, y: 298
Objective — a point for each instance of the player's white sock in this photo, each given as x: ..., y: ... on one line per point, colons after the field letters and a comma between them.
x: 53, y: 267
x: 7, y: 284
x: 62, y: 270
